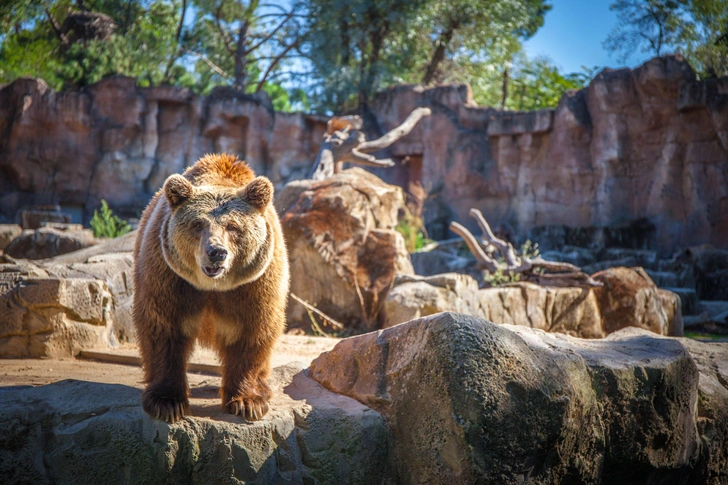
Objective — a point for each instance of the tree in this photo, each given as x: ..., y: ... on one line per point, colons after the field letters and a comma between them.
x: 696, y: 28
x: 648, y: 25
x: 243, y: 44
x: 472, y: 27
x: 70, y: 44
x: 361, y: 46
x: 706, y: 38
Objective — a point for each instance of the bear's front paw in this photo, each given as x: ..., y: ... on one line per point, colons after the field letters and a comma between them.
x: 165, y: 407
x: 251, y: 408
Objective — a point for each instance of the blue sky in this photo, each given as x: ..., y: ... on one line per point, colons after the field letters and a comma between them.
x: 572, y: 36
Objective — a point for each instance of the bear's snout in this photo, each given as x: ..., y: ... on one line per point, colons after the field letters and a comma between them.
x: 216, y: 254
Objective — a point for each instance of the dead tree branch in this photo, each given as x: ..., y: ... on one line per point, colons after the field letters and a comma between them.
x: 345, y: 142
x: 536, y: 270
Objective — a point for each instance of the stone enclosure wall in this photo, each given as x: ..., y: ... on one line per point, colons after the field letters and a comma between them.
x: 643, y: 149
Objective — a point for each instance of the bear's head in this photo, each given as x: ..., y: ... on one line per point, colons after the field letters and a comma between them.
x: 216, y: 237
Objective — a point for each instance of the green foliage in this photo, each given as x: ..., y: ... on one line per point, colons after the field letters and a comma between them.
x: 530, y: 250
x: 411, y: 229
x: 531, y: 84
x: 500, y: 278
x: 141, y: 42
x: 361, y: 46
x: 696, y: 28
x: 107, y: 224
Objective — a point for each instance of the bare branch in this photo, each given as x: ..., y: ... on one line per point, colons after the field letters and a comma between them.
x: 273, y: 64
x: 225, y: 35
x: 207, y: 61
x: 318, y: 312
x: 345, y: 142
x: 488, y: 237
x: 402, y: 130
x: 483, y: 259
x: 270, y: 35
x: 533, y: 270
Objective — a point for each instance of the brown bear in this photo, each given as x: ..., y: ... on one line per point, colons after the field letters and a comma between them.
x: 210, y: 265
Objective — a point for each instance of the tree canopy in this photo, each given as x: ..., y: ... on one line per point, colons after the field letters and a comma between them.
x: 696, y: 28
x: 333, y: 55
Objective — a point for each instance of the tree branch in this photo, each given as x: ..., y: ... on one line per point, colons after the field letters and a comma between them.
x: 402, y: 130
x: 273, y: 64
x: 270, y: 35
x: 57, y: 29
x: 533, y: 270
x: 207, y: 61
x: 177, y: 37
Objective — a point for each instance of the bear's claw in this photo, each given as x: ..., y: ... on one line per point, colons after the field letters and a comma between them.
x: 166, y: 409
x: 252, y: 408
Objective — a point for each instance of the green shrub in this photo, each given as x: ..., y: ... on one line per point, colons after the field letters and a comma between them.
x: 106, y: 224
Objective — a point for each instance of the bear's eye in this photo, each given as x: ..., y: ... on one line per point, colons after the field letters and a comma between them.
x: 233, y: 228
x: 198, y: 225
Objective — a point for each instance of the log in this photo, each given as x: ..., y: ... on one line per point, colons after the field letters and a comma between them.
x: 536, y: 270
x: 345, y: 142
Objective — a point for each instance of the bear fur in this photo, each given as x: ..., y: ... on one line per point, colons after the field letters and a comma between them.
x: 210, y: 265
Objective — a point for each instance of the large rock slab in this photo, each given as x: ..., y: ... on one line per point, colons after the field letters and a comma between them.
x: 76, y: 432
x: 342, y: 246
x: 60, y: 306
x: 468, y: 401
x: 54, y: 317
x: 573, y: 311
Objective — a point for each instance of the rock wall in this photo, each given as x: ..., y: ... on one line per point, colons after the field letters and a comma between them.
x: 116, y: 141
x: 644, y: 151
x: 649, y: 144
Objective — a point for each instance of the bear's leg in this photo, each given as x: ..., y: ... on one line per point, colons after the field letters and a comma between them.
x: 165, y: 356
x: 245, y: 370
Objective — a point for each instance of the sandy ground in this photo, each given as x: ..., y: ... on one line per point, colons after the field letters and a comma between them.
x: 38, y: 372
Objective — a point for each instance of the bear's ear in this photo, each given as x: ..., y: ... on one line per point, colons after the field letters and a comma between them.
x: 177, y: 189
x: 258, y: 193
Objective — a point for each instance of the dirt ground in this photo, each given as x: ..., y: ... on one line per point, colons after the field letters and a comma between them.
x: 38, y: 372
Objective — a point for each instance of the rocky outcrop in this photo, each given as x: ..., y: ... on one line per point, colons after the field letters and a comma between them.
x: 342, y: 246
x: 467, y: 401
x: 628, y: 299
x: 116, y: 141
x: 636, y: 159
x: 60, y: 306
x: 77, y: 432
x: 648, y: 145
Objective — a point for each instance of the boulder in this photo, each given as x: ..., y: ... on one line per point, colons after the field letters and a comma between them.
x: 573, y: 311
x: 78, y: 432
x: 8, y: 232
x: 48, y: 242
x: 629, y: 298
x: 342, y: 246
x: 414, y: 296
x: 467, y: 401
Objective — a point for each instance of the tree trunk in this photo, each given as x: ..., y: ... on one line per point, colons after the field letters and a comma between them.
x: 505, y: 89
x: 439, y: 55
x: 241, y: 54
